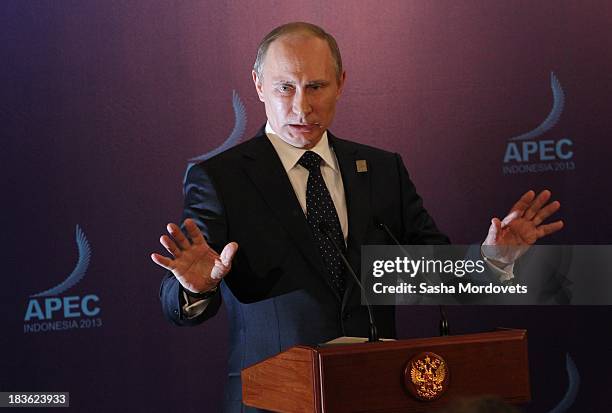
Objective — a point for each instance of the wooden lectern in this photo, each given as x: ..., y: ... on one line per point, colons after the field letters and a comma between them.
x: 392, y: 376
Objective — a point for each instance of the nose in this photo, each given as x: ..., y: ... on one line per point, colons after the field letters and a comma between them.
x: 301, y: 104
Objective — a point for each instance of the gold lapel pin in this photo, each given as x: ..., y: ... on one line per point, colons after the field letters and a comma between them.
x: 361, y: 165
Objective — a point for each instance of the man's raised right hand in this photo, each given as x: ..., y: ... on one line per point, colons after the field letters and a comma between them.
x: 195, y: 265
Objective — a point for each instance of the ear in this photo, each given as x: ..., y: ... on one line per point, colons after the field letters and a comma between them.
x: 341, y: 84
x: 258, y: 85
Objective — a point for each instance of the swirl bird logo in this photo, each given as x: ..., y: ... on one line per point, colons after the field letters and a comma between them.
x: 79, y: 270
x: 240, y: 121
x: 573, y: 385
x: 554, y: 115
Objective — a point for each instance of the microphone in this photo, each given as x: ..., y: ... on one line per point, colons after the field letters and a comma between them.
x: 373, y: 333
x: 381, y: 225
x: 444, y: 328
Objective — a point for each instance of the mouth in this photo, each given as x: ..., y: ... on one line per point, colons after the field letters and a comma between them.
x: 304, y: 128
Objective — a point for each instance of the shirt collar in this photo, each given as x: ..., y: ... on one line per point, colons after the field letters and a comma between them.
x: 290, y: 155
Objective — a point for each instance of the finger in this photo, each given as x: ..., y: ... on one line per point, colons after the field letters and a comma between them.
x: 170, y: 245
x: 545, y: 212
x: 228, y: 253
x: 511, y: 217
x: 544, y: 230
x: 523, y: 203
x: 178, y: 236
x: 537, y: 204
x: 162, y: 261
x: 194, y: 232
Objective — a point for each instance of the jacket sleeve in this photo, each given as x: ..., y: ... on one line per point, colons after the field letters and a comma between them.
x: 203, y: 205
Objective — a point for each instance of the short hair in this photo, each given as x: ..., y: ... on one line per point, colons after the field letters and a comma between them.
x: 297, y: 27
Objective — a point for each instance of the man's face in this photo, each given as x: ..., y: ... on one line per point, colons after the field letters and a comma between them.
x: 299, y: 88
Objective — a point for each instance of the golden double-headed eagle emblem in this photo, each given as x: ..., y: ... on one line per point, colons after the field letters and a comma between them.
x: 426, y: 376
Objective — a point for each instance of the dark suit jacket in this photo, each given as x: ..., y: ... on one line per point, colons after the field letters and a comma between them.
x: 277, y: 294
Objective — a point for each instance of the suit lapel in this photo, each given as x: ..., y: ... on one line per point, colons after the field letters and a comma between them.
x: 266, y: 170
x: 357, y: 193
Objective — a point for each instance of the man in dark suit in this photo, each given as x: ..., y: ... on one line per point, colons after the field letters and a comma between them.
x: 286, y: 197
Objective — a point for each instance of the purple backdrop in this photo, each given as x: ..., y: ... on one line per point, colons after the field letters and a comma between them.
x: 103, y: 103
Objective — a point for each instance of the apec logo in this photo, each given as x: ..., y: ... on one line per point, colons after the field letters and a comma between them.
x: 525, y: 153
x: 240, y: 121
x: 50, y: 311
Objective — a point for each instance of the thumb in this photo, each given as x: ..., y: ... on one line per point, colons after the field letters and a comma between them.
x: 494, y: 229
x: 228, y: 253
x: 223, y: 264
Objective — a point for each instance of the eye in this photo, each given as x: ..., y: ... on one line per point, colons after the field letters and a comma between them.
x: 285, y: 88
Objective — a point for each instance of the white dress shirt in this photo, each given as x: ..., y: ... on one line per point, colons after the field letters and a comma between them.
x: 298, y: 175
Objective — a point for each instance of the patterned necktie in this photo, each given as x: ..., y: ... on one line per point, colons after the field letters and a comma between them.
x: 320, y: 208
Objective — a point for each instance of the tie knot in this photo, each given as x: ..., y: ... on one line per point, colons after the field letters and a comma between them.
x: 310, y: 160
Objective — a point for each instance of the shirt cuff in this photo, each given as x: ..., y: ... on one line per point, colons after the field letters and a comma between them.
x: 504, y: 273
x: 192, y: 309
